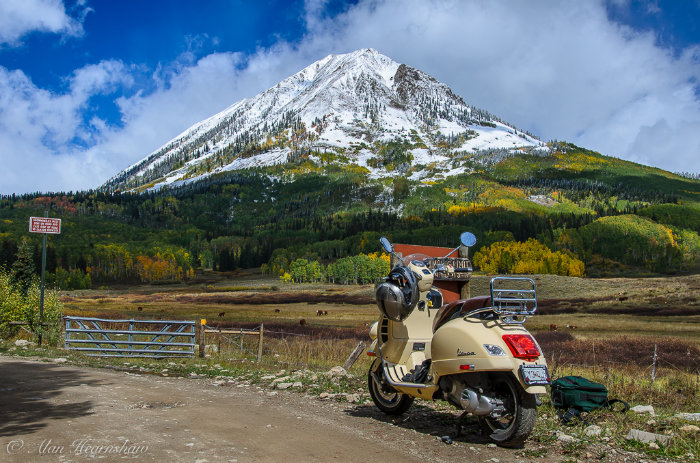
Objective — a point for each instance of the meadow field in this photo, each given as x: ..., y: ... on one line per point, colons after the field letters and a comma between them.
x: 662, y: 307
x: 605, y: 325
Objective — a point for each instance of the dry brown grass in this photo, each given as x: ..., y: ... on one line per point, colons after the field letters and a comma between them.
x: 306, y: 331
x: 610, y: 305
x: 565, y: 348
x: 275, y: 298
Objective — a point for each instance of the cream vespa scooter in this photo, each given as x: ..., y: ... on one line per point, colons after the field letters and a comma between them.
x: 473, y: 353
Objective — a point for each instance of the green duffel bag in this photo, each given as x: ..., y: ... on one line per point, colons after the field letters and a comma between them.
x: 572, y: 395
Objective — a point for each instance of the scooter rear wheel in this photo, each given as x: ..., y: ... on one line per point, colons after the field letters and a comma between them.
x: 515, y: 426
x: 383, y: 395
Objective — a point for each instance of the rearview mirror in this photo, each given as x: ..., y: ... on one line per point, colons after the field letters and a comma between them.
x: 386, y: 244
x: 468, y: 239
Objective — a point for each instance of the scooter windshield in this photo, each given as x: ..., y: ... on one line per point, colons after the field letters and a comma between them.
x: 416, y: 258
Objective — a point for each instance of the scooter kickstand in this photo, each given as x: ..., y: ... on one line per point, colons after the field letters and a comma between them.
x: 459, y: 423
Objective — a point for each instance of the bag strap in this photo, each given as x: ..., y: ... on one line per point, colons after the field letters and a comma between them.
x: 625, y: 405
x: 570, y: 414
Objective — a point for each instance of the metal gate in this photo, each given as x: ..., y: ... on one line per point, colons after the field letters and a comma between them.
x: 99, y: 337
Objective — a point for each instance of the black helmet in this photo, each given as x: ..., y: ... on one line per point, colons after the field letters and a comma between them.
x: 398, y: 295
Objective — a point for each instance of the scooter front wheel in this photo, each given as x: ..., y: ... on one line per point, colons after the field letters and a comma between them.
x: 386, y: 398
x: 516, y: 424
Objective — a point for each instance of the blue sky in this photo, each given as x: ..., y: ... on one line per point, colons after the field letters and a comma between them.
x: 88, y: 88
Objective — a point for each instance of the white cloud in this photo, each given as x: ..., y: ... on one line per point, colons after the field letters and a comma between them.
x: 98, y: 78
x: 39, y: 130
x: 561, y: 70
x: 20, y: 17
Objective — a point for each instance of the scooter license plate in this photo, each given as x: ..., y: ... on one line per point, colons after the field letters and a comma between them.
x: 535, y: 374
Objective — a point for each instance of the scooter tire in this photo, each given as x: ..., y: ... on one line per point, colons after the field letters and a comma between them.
x: 384, y: 397
x: 523, y: 410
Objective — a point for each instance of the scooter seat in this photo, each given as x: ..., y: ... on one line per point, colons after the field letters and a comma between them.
x: 459, y: 308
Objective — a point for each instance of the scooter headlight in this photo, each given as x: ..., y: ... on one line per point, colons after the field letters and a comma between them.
x: 493, y: 350
x: 373, y: 331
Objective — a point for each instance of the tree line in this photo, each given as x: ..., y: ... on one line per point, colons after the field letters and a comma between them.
x: 261, y: 217
x: 359, y: 269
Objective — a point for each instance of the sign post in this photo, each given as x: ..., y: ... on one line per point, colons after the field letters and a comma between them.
x: 43, y: 225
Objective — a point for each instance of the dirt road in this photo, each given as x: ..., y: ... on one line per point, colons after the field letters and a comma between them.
x: 51, y: 412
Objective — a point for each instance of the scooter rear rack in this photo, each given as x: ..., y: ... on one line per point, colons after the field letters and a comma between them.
x: 514, y: 305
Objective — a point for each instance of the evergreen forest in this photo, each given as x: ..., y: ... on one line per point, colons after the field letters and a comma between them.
x: 574, y: 212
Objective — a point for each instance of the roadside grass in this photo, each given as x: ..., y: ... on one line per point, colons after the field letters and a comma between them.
x: 615, y: 426
x: 242, y: 367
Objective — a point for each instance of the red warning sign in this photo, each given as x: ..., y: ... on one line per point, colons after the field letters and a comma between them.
x: 44, y: 225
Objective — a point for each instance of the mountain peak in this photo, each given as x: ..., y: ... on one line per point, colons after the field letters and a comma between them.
x: 359, y: 110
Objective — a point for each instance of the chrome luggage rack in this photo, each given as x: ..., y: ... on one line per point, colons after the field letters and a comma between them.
x: 514, y: 305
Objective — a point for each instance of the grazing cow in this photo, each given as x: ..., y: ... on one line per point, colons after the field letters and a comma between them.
x: 325, y: 312
x: 553, y: 327
x: 221, y: 314
x: 571, y: 327
x: 319, y: 312
x: 277, y: 310
x: 140, y: 309
x: 622, y: 298
x: 302, y: 322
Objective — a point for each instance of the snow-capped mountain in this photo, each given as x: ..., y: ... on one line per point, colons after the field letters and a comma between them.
x: 360, y: 110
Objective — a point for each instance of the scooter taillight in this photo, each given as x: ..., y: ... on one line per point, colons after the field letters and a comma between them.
x: 522, y: 346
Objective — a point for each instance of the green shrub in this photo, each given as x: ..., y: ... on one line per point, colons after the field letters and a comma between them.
x: 17, y: 306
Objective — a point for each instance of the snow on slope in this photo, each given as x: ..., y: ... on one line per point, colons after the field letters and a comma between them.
x: 355, y: 105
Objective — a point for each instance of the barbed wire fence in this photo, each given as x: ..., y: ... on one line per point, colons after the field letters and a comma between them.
x: 236, y: 342
x: 558, y: 368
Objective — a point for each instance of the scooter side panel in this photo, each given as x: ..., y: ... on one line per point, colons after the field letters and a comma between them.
x: 458, y: 347
x: 412, y: 335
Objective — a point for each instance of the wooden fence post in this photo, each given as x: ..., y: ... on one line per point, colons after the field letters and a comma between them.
x: 594, y: 357
x: 355, y: 354
x: 202, y: 325
x: 653, y: 366
x: 260, y: 344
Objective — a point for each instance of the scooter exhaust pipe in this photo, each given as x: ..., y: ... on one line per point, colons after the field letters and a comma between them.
x: 479, y: 404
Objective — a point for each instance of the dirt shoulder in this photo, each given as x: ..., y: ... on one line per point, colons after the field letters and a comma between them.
x: 67, y: 413
x: 56, y: 412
